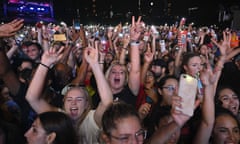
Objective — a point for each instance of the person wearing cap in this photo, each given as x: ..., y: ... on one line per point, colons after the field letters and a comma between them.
x: 159, y: 68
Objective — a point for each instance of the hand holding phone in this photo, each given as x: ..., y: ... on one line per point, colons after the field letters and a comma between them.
x: 187, y: 91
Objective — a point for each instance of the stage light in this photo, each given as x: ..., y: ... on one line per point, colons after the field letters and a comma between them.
x: 31, y: 8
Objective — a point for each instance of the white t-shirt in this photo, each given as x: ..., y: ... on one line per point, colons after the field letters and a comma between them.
x: 89, y: 131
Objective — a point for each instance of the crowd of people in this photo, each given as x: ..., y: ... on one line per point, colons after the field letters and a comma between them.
x: 91, y: 84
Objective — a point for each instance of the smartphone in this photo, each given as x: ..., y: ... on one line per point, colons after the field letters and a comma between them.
x: 188, y: 91
x: 59, y: 37
x: 120, y: 35
x: 76, y: 24
x: 183, y: 39
x: 162, y: 45
x: 146, y: 38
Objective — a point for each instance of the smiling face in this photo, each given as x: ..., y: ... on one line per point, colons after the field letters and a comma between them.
x: 226, y: 130
x: 149, y: 79
x: 75, y: 103
x: 229, y: 100
x: 117, y: 78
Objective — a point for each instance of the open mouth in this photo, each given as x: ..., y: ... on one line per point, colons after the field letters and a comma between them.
x: 116, y: 80
x: 234, y: 109
x: 73, y: 111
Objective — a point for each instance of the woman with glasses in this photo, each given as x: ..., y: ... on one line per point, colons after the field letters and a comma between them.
x: 77, y: 103
x: 167, y: 87
x: 121, y: 124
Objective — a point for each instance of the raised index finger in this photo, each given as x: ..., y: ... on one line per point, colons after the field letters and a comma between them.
x: 133, y: 20
x: 139, y: 19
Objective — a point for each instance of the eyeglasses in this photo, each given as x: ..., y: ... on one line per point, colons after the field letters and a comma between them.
x: 140, y: 136
x: 169, y: 88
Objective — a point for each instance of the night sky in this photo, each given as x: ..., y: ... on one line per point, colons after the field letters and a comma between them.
x: 206, y: 13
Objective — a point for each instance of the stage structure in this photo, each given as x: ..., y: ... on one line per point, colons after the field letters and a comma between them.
x: 29, y: 9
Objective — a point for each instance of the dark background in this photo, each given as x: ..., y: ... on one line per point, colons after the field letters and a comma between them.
x: 206, y: 12
x: 201, y: 12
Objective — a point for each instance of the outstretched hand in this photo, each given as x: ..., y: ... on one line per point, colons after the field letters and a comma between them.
x: 91, y: 55
x: 10, y: 29
x: 225, y: 45
x: 52, y: 55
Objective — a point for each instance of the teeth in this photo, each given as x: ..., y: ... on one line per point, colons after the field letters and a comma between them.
x: 73, y: 108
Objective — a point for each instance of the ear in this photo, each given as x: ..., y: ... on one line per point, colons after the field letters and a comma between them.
x: 105, y: 138
x: 185, y: 67
x: 51, y: 137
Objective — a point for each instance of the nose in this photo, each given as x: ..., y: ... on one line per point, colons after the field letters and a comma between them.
x: 134, y: 141
x: 27, y: 133
x: 175, y: 90
x: 231, y: 136
x: 231, y: 100
x: 74, y: 101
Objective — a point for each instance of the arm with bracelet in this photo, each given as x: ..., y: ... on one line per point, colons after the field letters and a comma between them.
x: 36, y: 87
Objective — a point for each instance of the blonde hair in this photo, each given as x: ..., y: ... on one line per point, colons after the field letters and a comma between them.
x: 115, y: 63
x: 83, y: 90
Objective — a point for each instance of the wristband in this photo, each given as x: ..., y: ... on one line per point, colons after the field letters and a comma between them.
x: 44, y: 65
x: 135, y: 43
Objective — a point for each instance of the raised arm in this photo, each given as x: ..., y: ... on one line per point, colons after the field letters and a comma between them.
x: 126, y: 40
x: 134, y: 74
x: 7, y: 74
x: 208, y: 109
x: 148, y: 58
x: 35, y: 89
x: 105, y: 93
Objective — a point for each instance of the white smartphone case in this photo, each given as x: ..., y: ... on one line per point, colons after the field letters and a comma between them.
x: 188, y: 91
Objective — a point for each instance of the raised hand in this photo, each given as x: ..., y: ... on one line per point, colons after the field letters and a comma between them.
x: 10, y: 29
x: 207, y: 76
x: 52, y: 55
x: 148, y: 55
x: 144, y: 110
x: 136, y: 28
x: 177, y: 114
x: 91, y: 55
x: 225, y: 45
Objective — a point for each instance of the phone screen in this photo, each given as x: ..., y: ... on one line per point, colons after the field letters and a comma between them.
x: 59, y: 37
x: 76, y: 24
x: 162, y: 45
x: 188, y: 91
